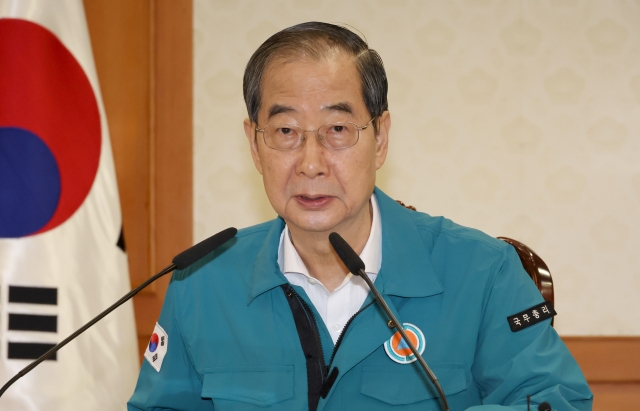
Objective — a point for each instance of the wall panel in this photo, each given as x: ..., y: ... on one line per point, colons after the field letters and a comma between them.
x: 143, y: 57
x: 612, y: 367
x: 519, y: 118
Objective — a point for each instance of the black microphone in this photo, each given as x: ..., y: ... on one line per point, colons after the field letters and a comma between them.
x: 204, y: 247
x: 544, y: 406
x: 356, y: 266
x: 179, y: 262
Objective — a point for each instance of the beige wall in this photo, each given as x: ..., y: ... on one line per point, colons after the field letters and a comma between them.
x: 520, y: 118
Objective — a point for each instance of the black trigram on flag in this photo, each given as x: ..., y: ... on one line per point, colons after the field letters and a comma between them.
x: 31, y: 322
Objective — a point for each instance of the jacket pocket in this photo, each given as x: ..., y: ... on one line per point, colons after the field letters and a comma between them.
x: 408, y: 383
x: 257, y: 385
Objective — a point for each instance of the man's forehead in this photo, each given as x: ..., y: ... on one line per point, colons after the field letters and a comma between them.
x: 333, y: 82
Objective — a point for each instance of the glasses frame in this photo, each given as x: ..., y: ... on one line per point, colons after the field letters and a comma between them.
x: 304, y: 132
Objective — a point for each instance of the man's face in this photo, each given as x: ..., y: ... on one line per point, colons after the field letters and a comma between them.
x: 314, y: 188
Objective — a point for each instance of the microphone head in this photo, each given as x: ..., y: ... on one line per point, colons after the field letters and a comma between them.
x: 204, y: 247
x: 544, y: 406
x: 349, y: 257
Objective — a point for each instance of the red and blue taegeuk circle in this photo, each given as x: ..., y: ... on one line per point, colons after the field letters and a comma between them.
x: 153, y: 342
x: 50, y: 135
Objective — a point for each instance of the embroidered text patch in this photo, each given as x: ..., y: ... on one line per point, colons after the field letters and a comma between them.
x: 531, y: 316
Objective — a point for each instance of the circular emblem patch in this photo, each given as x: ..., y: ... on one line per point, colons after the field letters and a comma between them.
x: 153, y: 342
x: 398, y: 350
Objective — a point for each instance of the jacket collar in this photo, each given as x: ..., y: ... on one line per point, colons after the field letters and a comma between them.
x: 266, y: 271
x: 406, y: 266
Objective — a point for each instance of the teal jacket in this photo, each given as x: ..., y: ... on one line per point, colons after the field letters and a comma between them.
x: 233, y: 344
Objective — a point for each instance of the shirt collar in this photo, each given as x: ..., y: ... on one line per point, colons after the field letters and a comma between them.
x: 371, y: 254
x: 406, y: 270
x: 290, y: 262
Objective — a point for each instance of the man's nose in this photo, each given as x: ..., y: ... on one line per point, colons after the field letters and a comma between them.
x: 312, y: 161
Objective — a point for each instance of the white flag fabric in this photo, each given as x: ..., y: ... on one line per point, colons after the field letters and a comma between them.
x: 61, y: 252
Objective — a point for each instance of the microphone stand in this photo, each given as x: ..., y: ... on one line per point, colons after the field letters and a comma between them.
x: 398, y: 327
x: 100, y: 316
x: 356, y: 266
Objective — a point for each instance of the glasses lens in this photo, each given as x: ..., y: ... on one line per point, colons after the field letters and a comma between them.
x: 282, y: 137
x: 339, y: 135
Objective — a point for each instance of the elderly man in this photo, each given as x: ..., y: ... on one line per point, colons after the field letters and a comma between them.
x: 274, y: 320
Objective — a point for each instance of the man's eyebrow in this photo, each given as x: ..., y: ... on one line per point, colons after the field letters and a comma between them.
x: 342, y: 107
x: 278, y: 109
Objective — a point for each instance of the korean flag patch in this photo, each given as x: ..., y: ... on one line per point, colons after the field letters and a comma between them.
x: 157, y: 348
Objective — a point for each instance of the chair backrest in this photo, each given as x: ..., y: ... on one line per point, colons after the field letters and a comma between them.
x: 535, y: 267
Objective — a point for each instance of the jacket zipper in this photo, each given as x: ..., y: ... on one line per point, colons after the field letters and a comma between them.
x: 326, y: 368
x: 344, y: 331
x: 309, y: 311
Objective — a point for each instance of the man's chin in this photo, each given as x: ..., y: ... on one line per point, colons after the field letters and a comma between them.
x: 314, y: 225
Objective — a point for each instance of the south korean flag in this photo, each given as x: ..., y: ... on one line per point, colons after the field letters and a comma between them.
x: 62, y: 250
x: 157, y: 347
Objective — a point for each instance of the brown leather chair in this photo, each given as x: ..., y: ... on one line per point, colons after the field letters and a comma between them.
x: 535, y: 267
x: 532, y: 263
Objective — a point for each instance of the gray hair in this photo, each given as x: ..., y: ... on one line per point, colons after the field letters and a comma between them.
x: 316, y: 40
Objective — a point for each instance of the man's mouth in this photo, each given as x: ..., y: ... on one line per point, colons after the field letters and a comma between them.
x: 313, y: 201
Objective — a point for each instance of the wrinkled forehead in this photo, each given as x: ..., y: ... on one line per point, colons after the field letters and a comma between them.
x: 326, y: 83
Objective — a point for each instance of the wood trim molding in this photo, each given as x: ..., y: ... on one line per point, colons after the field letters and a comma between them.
x: 614, y: 397
x: 173, y: 125
x: 144, y: 58
x: 612, y: 368
x: 171, y: 149
x: 607, y: 359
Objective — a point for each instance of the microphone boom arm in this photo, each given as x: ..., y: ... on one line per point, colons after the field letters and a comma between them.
x: 99, y: 317
x: 180, y: 262
x: 398, y: 327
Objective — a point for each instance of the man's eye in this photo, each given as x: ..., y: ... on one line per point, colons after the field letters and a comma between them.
x: 284, y: 130
x: 337, y: 129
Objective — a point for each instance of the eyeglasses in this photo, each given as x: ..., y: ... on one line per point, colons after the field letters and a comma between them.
x: 335, y: 136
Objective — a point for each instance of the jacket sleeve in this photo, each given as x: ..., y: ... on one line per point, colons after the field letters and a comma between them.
x: 534, y: 361
x: 177, y: 386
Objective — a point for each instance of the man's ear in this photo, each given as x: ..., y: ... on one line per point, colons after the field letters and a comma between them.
x: 382, y: 138
x: 251, y: 133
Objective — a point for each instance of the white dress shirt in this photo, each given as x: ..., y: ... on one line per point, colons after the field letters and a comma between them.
x: 335, y: 308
